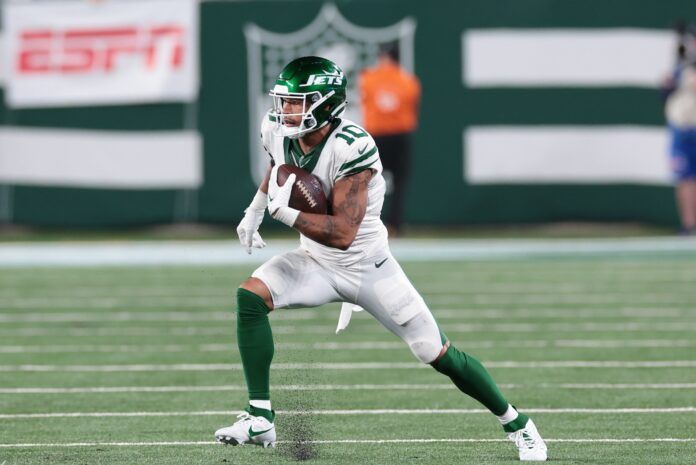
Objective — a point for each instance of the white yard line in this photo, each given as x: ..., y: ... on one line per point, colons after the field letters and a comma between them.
x: 65, y: 290
x: 115, y: 302
x: 341, y: 366
x: 564, y: 411
x: 227, y: 313
x: 618, y: 343
x: 114, y: 290
x: 70, y: 286
x: 680, y: 297
x: 76, y: 317
x: 622, y: 386
x: 330, y: 387
x: 314, y: 387
x: 166, y: 277
x: 353, y: 441
x: 49, y: 318
x: 128, y: 331
x: 516, y: 287
x: 370, y: 328
x: 561, y: 299
x: 561, y: 313
x: 377, y: 345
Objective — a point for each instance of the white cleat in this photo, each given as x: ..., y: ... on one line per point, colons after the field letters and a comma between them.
x: 530, y: 444
x: 248, y: 429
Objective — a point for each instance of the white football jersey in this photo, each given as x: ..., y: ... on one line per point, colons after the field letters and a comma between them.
x: 347, y: 150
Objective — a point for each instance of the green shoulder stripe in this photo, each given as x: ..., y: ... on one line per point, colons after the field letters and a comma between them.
x: 358, y: 160
x: 354, y: 170
x: 367, y: 162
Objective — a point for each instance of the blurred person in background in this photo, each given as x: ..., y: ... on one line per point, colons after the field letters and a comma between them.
x: 390, y: 99
x: 679, y: 93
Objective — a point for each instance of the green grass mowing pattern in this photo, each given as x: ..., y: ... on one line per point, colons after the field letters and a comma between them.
x: 557, y: 305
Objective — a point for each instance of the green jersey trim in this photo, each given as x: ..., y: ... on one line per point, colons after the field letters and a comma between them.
x: 307, y: 161
x: 295, y: 157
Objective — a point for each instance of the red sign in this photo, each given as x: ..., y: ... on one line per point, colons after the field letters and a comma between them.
x: 103, y: 50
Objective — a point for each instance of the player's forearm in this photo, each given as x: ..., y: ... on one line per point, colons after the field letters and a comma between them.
x: 329, y: 230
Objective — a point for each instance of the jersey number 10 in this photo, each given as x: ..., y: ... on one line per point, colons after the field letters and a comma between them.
x: 351, y: 130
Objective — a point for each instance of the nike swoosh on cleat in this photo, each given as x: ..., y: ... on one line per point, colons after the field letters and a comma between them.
x: 378, y: 264
x: 253, y: 433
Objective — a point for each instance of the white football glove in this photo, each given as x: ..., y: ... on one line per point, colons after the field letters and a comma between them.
x: 248, y: 229
x: 279, y: 197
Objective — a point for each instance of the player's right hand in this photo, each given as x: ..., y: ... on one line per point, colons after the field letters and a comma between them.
x: 248, y: 230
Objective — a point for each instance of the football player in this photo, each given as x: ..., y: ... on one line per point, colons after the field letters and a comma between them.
x: 343, y: 256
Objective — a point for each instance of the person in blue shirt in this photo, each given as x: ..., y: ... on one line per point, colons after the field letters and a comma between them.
x: 679, y: 93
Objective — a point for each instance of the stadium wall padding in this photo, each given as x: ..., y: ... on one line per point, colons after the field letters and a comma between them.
x: 438, y: 193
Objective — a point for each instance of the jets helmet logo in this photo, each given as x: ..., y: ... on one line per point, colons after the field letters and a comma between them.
x: 320, y: 79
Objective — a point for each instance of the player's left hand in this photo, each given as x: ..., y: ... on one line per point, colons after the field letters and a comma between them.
x: 279, y: 197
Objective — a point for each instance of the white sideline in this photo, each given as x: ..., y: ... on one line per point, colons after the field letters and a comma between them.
x: 8, y: 416
x: 75, y: 254
x: 341, y: 366
x: 330, y: 387
x: 346, y: 441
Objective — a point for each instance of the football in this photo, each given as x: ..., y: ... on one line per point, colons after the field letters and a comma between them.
x: 307, y: 194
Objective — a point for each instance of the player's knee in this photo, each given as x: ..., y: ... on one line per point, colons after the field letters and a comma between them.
x: 425, y: 351
x: 257, y: 287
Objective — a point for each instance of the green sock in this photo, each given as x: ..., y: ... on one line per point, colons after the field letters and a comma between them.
x: 255, y: 341
x: 261, y: 412
x: 472, y: 378
x: 516, y: 424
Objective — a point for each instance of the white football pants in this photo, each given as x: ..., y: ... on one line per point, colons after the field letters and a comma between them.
x: 377, y: 284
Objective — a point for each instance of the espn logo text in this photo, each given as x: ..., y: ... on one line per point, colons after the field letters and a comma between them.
x: 100, y: 50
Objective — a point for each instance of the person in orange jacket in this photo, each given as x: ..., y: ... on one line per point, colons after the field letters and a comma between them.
x: 390, y: 99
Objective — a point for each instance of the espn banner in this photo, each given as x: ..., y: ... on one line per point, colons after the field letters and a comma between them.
x: 68, y: 53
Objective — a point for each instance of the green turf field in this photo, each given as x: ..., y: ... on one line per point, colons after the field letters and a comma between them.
x: 139, y: 366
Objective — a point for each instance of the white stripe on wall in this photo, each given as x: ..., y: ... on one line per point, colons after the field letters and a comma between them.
x: 566, y: 154
x: 566, y: 57
x: 2, y: 60
x: 100, y: 159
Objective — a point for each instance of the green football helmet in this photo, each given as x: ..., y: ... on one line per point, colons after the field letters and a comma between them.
x: 320, y: 84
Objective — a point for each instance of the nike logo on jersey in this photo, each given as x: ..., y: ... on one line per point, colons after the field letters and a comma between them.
x: 378, y: 264
x: 360, y: 152
x: 253, y: 433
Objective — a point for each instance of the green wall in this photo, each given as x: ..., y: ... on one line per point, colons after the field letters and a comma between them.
x: 437, y: 193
